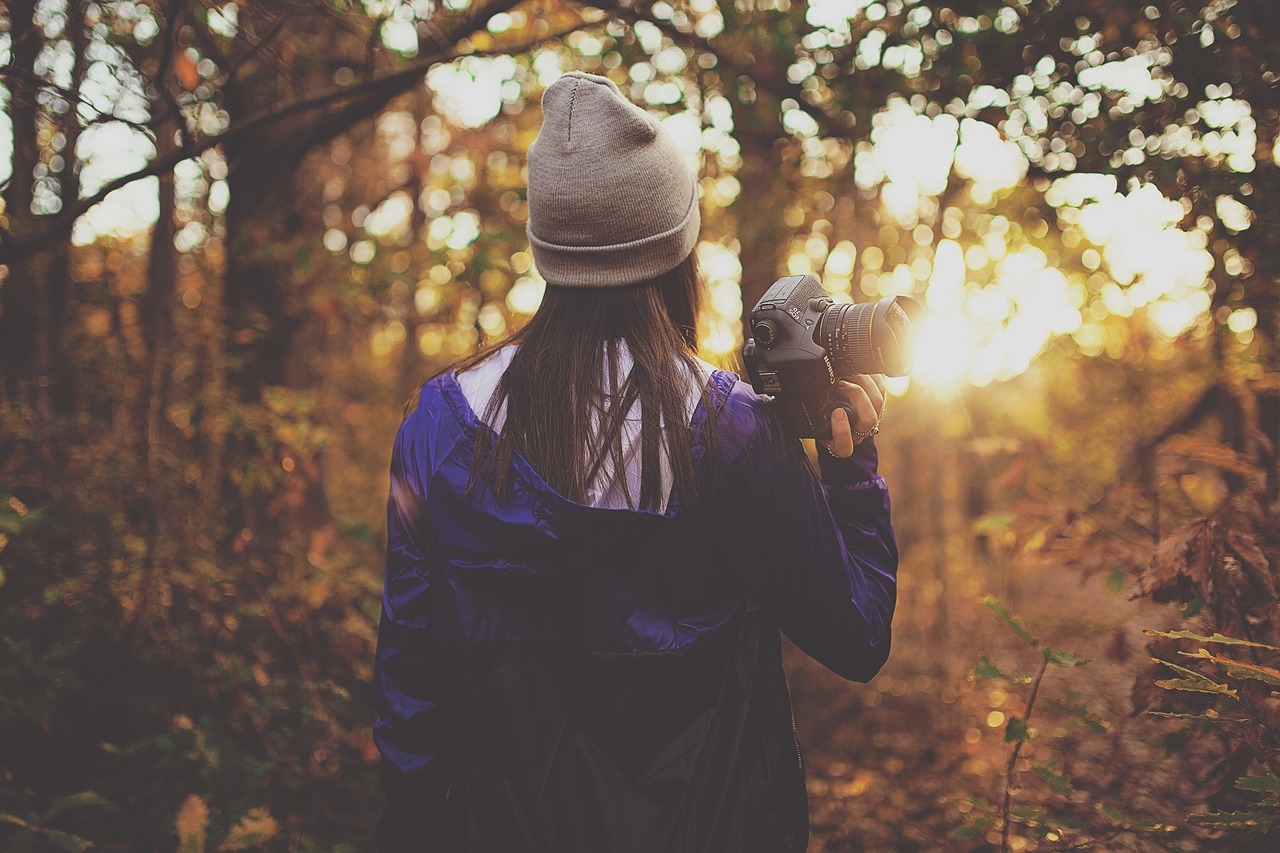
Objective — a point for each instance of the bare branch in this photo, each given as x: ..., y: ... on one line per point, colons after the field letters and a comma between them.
x: 167, y: 49
x: 256, y: 47
x: 379, y: 90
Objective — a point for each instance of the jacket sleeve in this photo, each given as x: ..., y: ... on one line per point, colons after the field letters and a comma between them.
x: 818, y: 553
x: 409, y: 727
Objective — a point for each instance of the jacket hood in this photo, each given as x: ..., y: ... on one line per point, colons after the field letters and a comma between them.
x: 505, y: 560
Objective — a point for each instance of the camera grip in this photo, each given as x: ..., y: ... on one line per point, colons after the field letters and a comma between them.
x: 823, y: 427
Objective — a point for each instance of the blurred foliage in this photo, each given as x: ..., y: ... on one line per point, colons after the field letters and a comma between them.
x: 201, y: 382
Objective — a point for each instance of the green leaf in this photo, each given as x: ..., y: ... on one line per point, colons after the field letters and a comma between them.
x: 1269, y: 784
x: 66, y: 841
x: 1059, y: 657
x: 1118, y: 817
x: 997, y: 607
x: 1055, y: 780
x: 988, y: 670
x: 1209, y: 716
x: 1081, y: 712
x: 1229, y: 820
x: 1031, y: 815
x: 1213, y: 638
x: 1117, y: 581
x: 1192, y: 608
x: 1016, y: 730
x: 994, y: 522
x: 80, y: 800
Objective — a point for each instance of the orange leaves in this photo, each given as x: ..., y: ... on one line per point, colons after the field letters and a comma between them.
x: 1205, y: 560
x: 184, y: 68
x: 1210, y: 453
x: 192, y: 824
x: 1184, y: 558
x: 251, y: 831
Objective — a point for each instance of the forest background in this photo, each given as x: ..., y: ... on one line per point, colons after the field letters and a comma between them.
x: 237, y: 235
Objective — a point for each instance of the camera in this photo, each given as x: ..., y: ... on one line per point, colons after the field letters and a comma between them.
x: 802, y: 342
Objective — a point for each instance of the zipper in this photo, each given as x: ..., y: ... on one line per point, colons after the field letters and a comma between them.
x: 795, y: 736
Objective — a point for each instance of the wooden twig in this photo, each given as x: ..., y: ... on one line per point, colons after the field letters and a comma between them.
x: 1011, y: 768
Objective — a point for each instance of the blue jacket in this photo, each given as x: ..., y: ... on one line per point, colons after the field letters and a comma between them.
x: 556, y: 677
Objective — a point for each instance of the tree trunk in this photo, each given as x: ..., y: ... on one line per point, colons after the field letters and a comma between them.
x: 762, y: 198
x: 56, y: 360
x: 21, y: 295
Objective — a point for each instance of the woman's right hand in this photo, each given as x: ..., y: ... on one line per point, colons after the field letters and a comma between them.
x: 865, y: 393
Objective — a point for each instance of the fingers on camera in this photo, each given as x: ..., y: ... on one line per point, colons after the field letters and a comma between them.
x: 879, y: 379
x: 842, y: 440
x: 874, y: 387
x: 866, y: 413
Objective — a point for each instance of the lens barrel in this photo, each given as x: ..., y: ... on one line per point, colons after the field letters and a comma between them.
x: 869, y: 337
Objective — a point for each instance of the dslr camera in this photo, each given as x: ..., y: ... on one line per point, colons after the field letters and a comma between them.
x: 802, y: 342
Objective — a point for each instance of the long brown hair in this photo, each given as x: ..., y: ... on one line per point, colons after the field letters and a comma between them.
x: 555, y: 384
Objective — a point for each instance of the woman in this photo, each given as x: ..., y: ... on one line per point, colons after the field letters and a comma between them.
x: 579, y: 523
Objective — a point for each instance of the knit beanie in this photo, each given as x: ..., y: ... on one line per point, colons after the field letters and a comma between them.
x: 611, y: 200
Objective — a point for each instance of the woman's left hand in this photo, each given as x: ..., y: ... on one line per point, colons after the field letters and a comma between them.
x: 865, y: 393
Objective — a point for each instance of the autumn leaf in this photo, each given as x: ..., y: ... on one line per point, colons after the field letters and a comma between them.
x: 192, y: 824
x: 1183, y: 560
x: 1193, y: 682
x: 251, y: 830
x: 1214, y: 638
x: 1210, y: 453
x: 184, y: 68
x: 1240, y: 669
x: 1228, y: 820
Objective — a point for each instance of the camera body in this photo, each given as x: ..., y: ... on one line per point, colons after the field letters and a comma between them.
x: 802, y: 342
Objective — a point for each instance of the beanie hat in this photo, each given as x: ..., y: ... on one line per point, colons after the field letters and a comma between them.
x: 611, y: 198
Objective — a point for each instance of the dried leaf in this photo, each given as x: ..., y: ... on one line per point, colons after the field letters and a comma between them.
x: 1211, y: 453
x: 1193, y: 685
x: 1235, y: 820
x: 192, y: 824
x: 1246, y: 549
x: 1239, y: 669
x: 1213, y: 638
x: 1193, y: 682
x: 251, y: 830
x: 1183, y: 562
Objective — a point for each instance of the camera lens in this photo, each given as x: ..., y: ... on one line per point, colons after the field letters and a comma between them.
x: 869, y: 337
